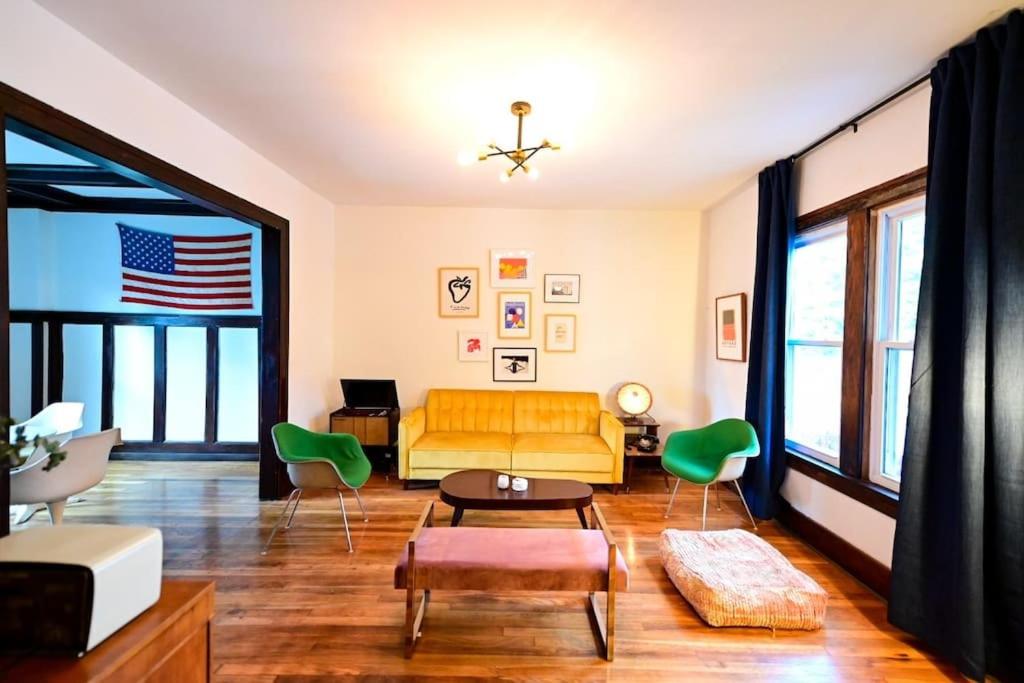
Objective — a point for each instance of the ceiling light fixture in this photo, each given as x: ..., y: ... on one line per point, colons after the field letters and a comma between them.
x: 520, y: 155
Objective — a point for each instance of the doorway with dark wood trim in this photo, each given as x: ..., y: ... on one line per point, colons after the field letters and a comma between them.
x: 64, y: 132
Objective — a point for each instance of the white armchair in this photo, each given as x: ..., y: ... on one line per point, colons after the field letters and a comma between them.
x: 57, y: 422
x: 84, y: 467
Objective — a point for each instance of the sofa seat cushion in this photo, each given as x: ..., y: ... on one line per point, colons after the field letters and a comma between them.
x: 561, y: 452
x: 461, y: 450
x: 489, y: 559
x: 734, y: 578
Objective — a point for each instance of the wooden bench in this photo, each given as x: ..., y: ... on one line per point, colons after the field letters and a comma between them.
x: 504, y: 560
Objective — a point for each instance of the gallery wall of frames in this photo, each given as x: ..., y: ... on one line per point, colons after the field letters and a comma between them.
x: 512, y: 342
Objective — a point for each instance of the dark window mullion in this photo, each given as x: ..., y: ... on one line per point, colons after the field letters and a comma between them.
x: 855, y: 343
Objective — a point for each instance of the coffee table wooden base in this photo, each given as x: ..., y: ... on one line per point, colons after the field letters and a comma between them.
x: 478, y: 490
x: 457, y: 517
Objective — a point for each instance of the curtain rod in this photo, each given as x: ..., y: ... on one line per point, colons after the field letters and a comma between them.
x: 855, y: 121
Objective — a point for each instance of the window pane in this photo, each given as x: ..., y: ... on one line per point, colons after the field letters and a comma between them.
x: 238, y: 385
x: 898, y: 364
x: 21, y: 372
x: 186, y: 384
x: 83, y: 371
x: 911, y: 251
x: 814, y: 393
x: 133, y: 382
x: 817, y: 289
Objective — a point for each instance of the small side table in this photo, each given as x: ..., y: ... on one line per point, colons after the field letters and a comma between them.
x: 632, y: 455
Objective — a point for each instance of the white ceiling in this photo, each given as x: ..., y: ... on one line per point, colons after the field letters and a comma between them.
x: 659, y: 104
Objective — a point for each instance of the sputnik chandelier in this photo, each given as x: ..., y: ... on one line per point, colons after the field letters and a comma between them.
x: 520, y: 155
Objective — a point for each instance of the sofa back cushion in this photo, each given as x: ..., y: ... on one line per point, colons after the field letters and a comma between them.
x: 556, y: 412
x: 467, y: 410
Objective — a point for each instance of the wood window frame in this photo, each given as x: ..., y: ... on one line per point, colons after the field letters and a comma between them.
x: 861, y: 212
x: 63, y: 130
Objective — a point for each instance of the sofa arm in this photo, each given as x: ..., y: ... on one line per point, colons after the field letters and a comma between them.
x: 410, y: 428
x: 614, y: 434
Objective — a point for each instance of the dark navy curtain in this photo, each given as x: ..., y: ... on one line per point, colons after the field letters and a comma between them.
x: 766, y: 378
x: 958, y: 559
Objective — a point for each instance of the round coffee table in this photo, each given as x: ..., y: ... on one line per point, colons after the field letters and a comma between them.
x: 478, y: 490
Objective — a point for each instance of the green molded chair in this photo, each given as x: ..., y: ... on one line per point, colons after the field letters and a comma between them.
x: 319, y: 461
x: 709, y: 455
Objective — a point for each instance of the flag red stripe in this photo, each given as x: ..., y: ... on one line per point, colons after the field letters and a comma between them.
x: 190, y: 307
x: 188, y: 295
x: 177, y: 283
x: 213, y: 238
x: 213, y: 273
x: 211, y: 250
x: 209, y: 262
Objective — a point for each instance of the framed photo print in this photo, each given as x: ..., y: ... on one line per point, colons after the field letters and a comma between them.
x: 511, y: 268
x: 472, y: 346
x: 560, y: 333
x: 515, y: 313
x: 458, y: 292
x: 561, y: 289
x: 514, y: 365
x: 731, y: 327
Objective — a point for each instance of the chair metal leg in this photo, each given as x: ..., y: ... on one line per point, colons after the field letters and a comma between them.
x: 743, y: 500
x: 361, y: 507
x: 704, y: 514
x: 295, y: 507
x: 344, y: 517
x: 672, y: 498
x: 291, y: 495
x: 718, y: 497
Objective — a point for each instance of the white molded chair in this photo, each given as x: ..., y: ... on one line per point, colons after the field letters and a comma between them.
x: 84, y: 467
x: 57, y: 422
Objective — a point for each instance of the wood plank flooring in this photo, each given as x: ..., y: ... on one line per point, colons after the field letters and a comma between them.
x: 310, y: 611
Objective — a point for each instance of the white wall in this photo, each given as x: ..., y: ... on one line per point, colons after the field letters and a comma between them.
x: 889, y: 144
x: 49, y: 60
x: 72, y: 261
x: 635, y: 320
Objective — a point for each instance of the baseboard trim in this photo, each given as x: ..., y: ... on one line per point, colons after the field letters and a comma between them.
x: 859, y: 564
x: 184, y: 457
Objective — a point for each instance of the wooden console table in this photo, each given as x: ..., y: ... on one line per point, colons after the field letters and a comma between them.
x: 168, y: 642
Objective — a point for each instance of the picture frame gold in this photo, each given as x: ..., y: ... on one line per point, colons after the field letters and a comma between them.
x: 552, y: 344
x: 451, y: 283
x: 521, y: 326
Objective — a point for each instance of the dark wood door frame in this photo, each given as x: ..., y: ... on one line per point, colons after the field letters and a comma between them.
x: 35, y: 119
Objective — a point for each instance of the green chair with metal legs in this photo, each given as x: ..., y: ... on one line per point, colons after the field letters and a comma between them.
x: 712, y: 454
x: 319, y: 461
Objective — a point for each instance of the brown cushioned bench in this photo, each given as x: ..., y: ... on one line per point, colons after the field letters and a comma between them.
x: 501, y: 559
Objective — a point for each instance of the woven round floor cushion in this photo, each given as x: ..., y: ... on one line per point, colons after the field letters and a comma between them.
x: 734, y: 578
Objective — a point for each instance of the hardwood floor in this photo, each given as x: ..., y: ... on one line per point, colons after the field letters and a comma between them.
x: 310, y: 611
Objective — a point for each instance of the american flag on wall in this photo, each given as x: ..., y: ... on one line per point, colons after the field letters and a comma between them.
x: 186, y: 271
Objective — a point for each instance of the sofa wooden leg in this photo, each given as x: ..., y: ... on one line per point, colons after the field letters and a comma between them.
x: 615, y: 489
x: 405, y: 484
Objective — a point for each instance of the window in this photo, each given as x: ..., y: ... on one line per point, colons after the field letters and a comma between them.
x: 814, y: 341
x: 853, y: 280
x: 900, y: 249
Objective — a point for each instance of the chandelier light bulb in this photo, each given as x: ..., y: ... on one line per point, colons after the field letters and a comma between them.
x: 465, y: 158
x: 533, y: 173
x: 504, y: 176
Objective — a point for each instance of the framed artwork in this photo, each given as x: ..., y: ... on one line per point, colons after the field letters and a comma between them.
x: 514, y: 365
x: 560, y: 333
x: 515, y: 314
x: 511, y: 268
x: 472, y: 346
x: 458, y: 292
x: 731, y: 327
x: 561, y: 289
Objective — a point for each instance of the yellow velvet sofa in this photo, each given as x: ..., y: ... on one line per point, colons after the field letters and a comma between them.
x: 554, y: 434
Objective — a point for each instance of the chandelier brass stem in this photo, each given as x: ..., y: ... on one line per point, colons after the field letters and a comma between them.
x: 520, y: 155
